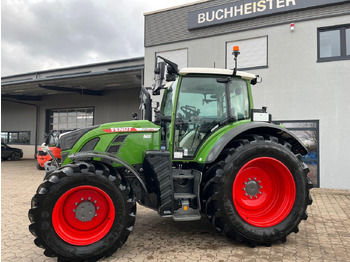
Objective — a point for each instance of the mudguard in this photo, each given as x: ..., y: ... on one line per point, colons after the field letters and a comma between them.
x: 257, y: 128
x: 87, y: 155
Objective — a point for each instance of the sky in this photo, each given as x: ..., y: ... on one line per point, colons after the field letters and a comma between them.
x: 45, y: 34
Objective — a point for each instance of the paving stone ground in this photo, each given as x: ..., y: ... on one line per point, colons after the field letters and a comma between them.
x: 325, y: 236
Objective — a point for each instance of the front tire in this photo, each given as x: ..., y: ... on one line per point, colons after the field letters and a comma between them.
x: 15, y: 156
x: 39, y: 167
x: 258, y: 191
x: 82, y: 212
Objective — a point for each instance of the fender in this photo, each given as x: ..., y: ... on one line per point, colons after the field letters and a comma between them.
x: 256, y: 128
x: 103, y: 155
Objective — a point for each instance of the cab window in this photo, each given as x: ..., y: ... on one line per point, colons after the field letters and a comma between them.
x: 201, y: 106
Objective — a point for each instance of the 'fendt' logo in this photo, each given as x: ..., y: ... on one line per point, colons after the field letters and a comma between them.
x: 129, y: 129
x: 121, y: 129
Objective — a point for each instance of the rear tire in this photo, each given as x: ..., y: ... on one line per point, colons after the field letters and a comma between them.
x: 82, y: 212
x: 258, y: 191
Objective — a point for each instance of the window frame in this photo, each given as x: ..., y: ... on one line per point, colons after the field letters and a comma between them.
x: 49, y: 112
x: 343, y: 55
x: 18, y: 133
x: 316, y: 128
x: 251, y: 67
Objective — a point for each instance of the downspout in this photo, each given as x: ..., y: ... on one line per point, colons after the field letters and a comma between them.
x: 36, y: 120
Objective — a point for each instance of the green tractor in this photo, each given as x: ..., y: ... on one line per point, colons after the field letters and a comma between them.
x: 205, y: 150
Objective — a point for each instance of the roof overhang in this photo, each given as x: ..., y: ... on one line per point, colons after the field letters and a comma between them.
x: 93, y: 79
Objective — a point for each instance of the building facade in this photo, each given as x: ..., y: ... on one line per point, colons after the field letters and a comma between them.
x: 300, y: 48
x: 33, y: 104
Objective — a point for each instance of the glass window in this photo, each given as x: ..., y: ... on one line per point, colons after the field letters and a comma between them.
x: 347, y: 40
x: 201, y: 106
x: 24, y: 138
x: 307, y: 132
x: 16, y: 137
x: 330, y: 43
x: 4, y: 137
x: 169, y: 99
x: 253, y: 53
x: 72, y: 118
x: 334, y: 43
x: 13, y: 138
x: 177, y: 56
x: 239, y: 99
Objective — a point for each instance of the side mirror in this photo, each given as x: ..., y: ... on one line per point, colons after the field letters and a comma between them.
x: 158, y: 77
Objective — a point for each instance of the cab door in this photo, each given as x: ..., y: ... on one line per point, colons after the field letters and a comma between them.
x: 201, y: 106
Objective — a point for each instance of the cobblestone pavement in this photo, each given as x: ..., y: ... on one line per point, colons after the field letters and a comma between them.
x: 325, y: 236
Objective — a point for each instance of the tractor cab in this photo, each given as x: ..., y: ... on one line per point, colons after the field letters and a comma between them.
x: 197, y: 102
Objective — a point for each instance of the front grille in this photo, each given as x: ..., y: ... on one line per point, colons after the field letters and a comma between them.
x: 90, y: 145
x: 119, y: 138
x: 42, y: 153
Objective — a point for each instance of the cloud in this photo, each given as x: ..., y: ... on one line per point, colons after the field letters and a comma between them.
x: 45, y: 34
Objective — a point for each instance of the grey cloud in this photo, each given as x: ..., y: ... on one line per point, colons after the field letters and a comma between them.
x: 38, y: 34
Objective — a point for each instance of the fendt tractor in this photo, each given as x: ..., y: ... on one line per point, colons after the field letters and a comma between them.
x: 203, y: 150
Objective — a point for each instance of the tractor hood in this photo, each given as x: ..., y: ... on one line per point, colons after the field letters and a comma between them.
x: 118, y: 138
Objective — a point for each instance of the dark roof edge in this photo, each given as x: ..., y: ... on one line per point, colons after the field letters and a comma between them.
x: 247, y: 29
x: 76, y: 67
x: 118, y: 70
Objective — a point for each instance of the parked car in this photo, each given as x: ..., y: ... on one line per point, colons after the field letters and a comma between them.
x: 52, y: 141
x: 10, y: 152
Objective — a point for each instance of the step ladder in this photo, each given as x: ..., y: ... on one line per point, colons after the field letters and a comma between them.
x: 186, y: 183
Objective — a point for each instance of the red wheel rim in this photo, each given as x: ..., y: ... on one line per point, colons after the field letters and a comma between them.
x: 264, y: 192
x: 83, y: 215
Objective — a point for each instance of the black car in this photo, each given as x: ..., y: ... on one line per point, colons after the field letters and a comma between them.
x: 10, y: 152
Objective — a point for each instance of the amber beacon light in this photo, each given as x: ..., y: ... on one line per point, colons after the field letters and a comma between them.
x: 235, y: 54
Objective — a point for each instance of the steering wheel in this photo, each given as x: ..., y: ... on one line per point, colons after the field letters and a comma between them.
x: 190, y: 111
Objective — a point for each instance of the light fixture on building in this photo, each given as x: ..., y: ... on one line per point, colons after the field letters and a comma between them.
x: 292, y: 27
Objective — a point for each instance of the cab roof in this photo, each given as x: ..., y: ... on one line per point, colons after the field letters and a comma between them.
x: 215, y: 71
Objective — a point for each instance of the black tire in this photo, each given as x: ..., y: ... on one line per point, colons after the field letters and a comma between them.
x: 39, y: 167
x: 4, y: 158
x: 15, y: 156
x: 72, y: 177
x: 218, y: 184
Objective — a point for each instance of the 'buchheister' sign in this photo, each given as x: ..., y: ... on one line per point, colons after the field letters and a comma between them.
x: 246, y: 9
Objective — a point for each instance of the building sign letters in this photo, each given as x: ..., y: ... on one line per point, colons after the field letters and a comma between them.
x: 246, y: 9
